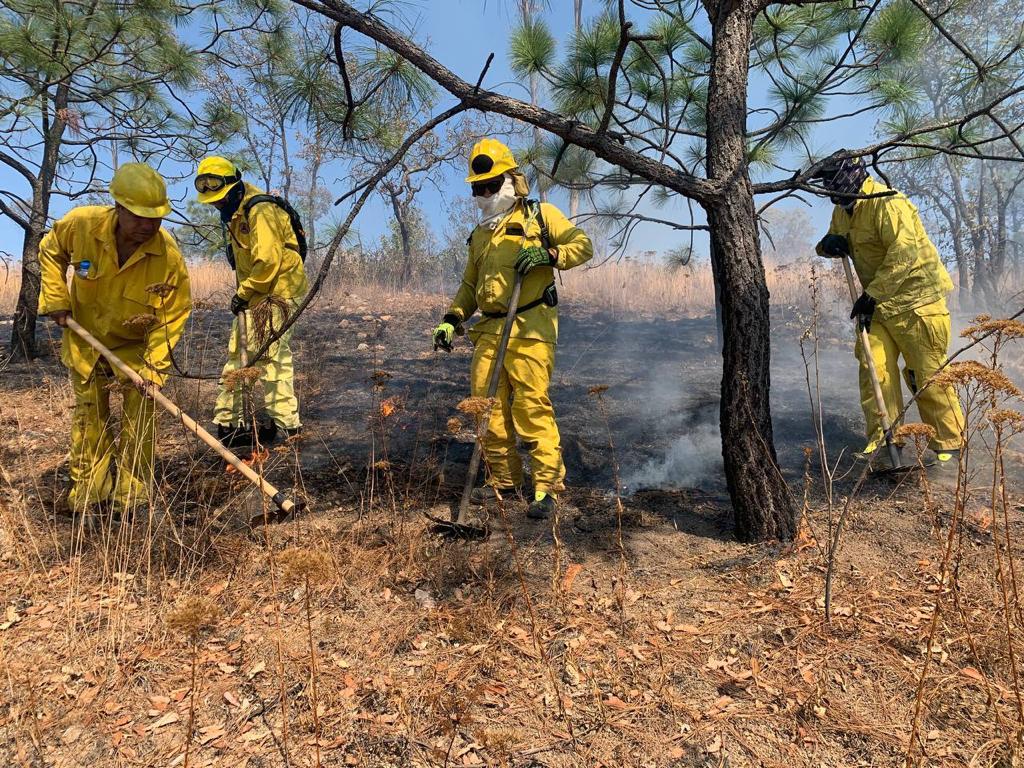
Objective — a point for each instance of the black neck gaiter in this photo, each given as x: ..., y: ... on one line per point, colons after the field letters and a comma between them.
x: 232, y: 200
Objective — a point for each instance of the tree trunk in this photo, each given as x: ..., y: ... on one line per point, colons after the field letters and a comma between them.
x: 762, y: 503
x: 23, y: 331
x: 402, y: 220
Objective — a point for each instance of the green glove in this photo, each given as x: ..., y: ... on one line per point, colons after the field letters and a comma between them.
x: 531, y: 257
x: 443, y: 336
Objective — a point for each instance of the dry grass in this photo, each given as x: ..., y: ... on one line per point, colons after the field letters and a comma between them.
x: 629, y: 643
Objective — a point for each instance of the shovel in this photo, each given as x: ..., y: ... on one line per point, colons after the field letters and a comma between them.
x: 455, y: 525
x: 285, y: 507
x: 883, y: 413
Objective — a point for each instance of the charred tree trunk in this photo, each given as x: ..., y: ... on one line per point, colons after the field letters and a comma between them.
x: 763, y: 505
x: 404, y: 236
x: 23, y: 331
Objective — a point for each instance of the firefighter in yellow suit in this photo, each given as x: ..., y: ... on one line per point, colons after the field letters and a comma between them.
x: 130, y: 290
x: 265, y: 255
x: 516, y: 235
x: 903, y: 300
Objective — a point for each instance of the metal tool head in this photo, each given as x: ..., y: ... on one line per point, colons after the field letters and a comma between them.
x: 453, y: 528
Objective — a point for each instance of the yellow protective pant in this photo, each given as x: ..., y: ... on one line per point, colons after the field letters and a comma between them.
x: 92, y: 442
x: 278, y: 379
x: 921, y: 336
x: 523, y: 409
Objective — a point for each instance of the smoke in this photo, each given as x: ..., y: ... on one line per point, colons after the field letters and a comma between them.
x: 691, y: 460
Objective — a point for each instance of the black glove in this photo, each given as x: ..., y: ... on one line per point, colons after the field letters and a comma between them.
x: 835, y: 246
x: 864, y: 308
x: 238, y: 304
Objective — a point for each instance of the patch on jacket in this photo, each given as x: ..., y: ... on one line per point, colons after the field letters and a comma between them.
x: 515, y: 229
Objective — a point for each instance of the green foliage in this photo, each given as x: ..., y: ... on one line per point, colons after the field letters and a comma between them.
x: 532, y: 48
x: 898, y: 33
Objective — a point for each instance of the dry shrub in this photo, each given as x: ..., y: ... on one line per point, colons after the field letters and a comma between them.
x: 299, y: 564
x: 242, y: 377
x: 193, y: 616
x: 972, y: 372
x: 163, y: 290
x: 454, y: 425
x: 477, y: 407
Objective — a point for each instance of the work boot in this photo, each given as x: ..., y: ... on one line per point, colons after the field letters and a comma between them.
x: 941, y: 459
x: 542, y: 507
x: 485, y: 494
x: 233, y: 437
x: 267, y: 433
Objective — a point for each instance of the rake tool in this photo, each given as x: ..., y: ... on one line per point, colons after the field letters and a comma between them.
x: 876, y: 386
x: 285, y: 507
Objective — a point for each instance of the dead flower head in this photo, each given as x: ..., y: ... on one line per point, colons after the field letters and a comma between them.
x: 476, y: 406
x: 300, y: 564
x: 972, y: 372
x: 454, y: 425
x: 598, y: 390
x: 917, y: 431
x: 1007, y: 419
x: 163, y: 290
x: 193, y: 616
x: 244, y: 377
x: 141, y: 320
x: 383, y: 465
x: 1004, y: 329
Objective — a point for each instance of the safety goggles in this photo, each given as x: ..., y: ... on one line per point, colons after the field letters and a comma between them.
x: 210, y: 182
x: 489, y: 187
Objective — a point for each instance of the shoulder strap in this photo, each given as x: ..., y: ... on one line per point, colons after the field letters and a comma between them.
x: 293, y: 217
x: 533, y: 209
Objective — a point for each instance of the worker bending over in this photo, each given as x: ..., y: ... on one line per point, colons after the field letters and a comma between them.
x: 130, y: 290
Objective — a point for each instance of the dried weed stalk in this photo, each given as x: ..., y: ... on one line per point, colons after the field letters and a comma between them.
x: 192, y: 618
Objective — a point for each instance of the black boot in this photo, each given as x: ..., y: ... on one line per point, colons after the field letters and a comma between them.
x: 541, y: 509
x: 267, y: 433
x: 485, y: 494
x: 233, y: 437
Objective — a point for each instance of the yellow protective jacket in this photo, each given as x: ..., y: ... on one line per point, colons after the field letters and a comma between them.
x: 267, y: 260
x: 109, y: 296
x: 897, y: 263
x: 490, y: 272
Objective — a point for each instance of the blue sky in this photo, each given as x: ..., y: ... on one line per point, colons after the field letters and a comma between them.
x: 461, y: 34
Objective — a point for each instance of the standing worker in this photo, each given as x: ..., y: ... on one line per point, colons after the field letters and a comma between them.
x: 903, y: 302
x: 533, y: 239
x: 266, y: 247
x: 130, y: 290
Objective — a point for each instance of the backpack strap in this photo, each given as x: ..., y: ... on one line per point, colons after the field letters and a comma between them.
x: 534, y: 210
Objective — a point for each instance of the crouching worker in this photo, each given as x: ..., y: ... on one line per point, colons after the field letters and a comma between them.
x: 130, y: 290
x: 903, y: 304
x: 533, y: 239
x: 266, y: 247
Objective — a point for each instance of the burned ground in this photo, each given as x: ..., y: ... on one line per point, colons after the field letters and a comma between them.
x: 642, y: 635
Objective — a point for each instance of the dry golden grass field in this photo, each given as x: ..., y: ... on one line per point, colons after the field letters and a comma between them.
x: 633, y: 630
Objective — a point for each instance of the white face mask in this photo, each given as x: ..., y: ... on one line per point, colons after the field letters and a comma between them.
x: 498, y: 203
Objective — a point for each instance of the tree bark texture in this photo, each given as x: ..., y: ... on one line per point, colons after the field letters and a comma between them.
x: 763, y: 505
x: 23, y: 331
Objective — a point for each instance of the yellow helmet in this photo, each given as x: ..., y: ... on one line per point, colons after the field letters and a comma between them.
x: 215, y: 177
x: 141, y: 190
x: 489, y: 158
